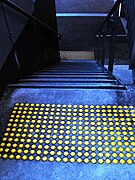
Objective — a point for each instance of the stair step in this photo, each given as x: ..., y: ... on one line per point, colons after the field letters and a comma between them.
x: 84, y: 68
x: 61, y: 73
x: 81, y: 80
x: 75, y: 65
x: 79, y: 64
x: 70, y: 76
x: 78, y: 60
x: 68, y: 86
x: 73, y: 71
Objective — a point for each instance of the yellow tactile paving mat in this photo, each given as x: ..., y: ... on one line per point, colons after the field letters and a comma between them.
x: 70, y: 133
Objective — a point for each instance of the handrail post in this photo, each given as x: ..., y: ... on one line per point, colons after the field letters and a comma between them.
x: 113, y: 39
x: 99, y: 46
x: 102, y: 31
x: 103, y: 46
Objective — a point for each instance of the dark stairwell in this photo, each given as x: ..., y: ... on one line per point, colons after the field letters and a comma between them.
x: 68, y: 119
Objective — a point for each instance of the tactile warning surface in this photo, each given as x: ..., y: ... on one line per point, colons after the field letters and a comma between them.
x: 70, y: 133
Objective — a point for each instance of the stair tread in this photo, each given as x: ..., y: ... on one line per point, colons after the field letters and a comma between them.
x: 68, y: 68
x: 67, y: 72
x: 84, y: 72
x: 67, y: 80
x: 70, y: 76
x: 67, y: 83
x: 99, y: 86
x: 76, y: 65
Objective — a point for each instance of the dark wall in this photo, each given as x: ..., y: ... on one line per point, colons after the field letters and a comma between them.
x: 46, y: 12
x: 38, y: 47
x: 31, y: 50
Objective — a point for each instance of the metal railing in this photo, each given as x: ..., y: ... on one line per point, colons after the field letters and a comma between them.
x: 129, y: 8
x: 28, y: 15
x: 109, y: 24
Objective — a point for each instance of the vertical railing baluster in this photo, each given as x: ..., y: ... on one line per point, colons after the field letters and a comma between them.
x: 114, y: 28
x: 98, y: 46
x: 129, y: 14
x: 131, y: 28
x: 103, y: 45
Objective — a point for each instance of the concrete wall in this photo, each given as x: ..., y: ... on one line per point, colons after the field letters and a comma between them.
x: 45, y: 10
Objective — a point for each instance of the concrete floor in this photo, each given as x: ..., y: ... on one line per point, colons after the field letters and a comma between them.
x: 20, y: 170
x: 123, y: 73
x: 35, y: 170
x: 23, y: 170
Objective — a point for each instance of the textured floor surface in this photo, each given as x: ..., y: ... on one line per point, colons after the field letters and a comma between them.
x: 20, y: 169
x: 70, y: 133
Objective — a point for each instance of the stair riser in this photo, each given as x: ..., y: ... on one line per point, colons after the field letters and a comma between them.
x: 67, y: 87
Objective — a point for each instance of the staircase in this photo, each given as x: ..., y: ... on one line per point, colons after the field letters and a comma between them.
x: 83, y: 74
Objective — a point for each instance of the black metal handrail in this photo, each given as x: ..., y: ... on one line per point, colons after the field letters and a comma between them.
x: 110, y: 22
x: 28, y: 15
x: 117, y: 3
x: 130, y: 26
